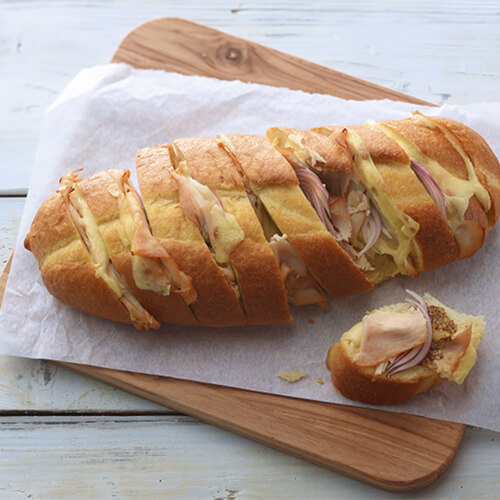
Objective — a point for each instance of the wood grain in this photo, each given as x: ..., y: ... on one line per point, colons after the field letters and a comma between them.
x: 193, y: 49
x: 391, y: 451
x: 388, y: 450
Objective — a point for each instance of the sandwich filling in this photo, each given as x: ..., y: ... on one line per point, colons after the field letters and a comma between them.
x: 88, y: 230
x: 153, y: 268
x: 203, y: 207
x: 401, y: 338
x: 401, y: 227
x: 300, y: 286
x: 343, y: 204
x: 456, y: 191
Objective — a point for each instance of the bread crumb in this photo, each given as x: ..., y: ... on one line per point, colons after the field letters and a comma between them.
x: 320, y: 380
x: 292, y: 376
x: 311, y: 321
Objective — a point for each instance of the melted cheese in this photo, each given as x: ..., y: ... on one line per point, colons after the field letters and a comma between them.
x: 457, y: 191
x: 268, y: 226
x: 294, y: 149
x: 479, y: 190
x: 203, y: 207
x: 403, y: 227
x: 386, y: 334
x: 152, y: 267
x: 87, y: 228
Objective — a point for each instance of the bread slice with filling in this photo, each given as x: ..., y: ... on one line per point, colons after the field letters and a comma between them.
x: 447, y: 151
x: 420, y: 237
x: 217, y: 303
x: 257, y: 274
x: 359, y: 363
x: 274, y: 182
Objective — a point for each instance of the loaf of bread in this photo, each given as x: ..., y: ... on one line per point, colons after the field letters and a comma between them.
x: 230, y: 230
x: 400, y: 350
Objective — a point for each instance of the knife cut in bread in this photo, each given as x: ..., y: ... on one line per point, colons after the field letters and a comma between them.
x: 227, y: 230
x: 461, y: 165
x: 276, y: 185
x: 416, y: 236
x: 217, y: 302
x: 400, y: 350
x: 257, y: 275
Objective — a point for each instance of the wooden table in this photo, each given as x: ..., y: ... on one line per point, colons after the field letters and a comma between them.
x: 65, y: 436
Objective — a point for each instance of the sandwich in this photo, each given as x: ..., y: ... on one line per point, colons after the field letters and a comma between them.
x: 400, y: 350
x: 234, y: 229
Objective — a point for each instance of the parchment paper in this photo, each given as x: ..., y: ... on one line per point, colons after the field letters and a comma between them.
x: 99, y: 121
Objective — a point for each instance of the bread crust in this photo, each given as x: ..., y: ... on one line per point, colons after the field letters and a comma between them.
x: 97, y: 192
x: 257, y: 272
x: 295, y: 217
x: 70, y: 274
x: 359, y: 384
x: 433, y: 144
x: 217, y: 304
x: 336, y: 158
x: 484, y: 160
x: 65, y: 266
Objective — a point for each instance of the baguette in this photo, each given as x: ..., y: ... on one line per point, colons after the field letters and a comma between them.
x: 364, y: 363
x: 227, y: 230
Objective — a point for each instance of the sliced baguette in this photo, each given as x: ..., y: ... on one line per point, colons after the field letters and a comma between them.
x: 257, y: 273
x: 275, y: 183
x: 217, y: 303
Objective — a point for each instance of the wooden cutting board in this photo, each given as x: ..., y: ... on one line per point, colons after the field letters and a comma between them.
x: 388, y: 450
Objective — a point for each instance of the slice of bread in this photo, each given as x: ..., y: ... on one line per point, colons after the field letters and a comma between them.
x: 451, y: 356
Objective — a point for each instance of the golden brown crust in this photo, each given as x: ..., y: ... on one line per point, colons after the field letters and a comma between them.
x: 484, y: 160
x: 44, y: 238
x: 70, y: 275
x: 359, y: 384
x: 211, y: 165
x: 294, y: 216
x: 105, y: 208
x: 64, y: 264
x: 262, y: 163
x: 433, y: 144
x: 257, y: 272
x: 217, y: 304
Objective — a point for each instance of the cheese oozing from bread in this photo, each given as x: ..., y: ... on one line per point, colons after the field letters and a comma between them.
x: 301, y: 288
x: 88, y: 230
x: 457, y: 191
x: 401, y: 226
x: 202, y: 206
x: 152, y: 267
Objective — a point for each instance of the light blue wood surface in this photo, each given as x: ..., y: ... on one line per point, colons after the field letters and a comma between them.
x: 440, y: 52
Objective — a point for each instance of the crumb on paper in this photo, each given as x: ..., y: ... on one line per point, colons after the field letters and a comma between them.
x: 311, y: 321
x: 292, y: 376
x: 320, y: 380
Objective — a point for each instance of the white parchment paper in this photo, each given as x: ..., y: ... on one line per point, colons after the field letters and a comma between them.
x: 99, y: 121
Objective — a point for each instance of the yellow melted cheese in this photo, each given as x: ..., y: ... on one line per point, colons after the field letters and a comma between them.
x: 223, y: 229
x: 87, y: 228
x: 293, y: 147
x: 403, y: 228
x: 457, y: 191
x: 98, y: 252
